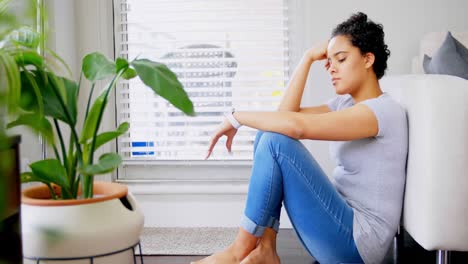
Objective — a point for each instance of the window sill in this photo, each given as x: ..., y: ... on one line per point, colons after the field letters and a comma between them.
x: 159, y: 187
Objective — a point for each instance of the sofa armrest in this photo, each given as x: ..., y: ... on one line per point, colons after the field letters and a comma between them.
x: 436, y: 192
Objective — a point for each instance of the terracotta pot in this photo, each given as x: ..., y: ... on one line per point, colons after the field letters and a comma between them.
x: 109, y: 222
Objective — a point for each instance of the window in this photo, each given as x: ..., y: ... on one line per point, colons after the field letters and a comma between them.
x: 226, y: 53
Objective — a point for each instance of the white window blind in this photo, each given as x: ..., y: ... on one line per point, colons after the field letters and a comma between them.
x: 226, y: 53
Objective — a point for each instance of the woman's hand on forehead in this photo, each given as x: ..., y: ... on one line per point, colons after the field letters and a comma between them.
x: 318, y: 51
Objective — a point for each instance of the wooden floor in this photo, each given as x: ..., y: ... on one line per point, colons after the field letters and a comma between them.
x: 291, y: 251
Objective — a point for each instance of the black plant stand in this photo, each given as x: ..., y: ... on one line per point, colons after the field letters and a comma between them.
x: 91, y: 258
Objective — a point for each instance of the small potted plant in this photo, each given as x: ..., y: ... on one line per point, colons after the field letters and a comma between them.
x: 70, y: 215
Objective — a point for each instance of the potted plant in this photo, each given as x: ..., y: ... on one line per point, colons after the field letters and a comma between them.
x: 69, y: 209
x: 10, y: 213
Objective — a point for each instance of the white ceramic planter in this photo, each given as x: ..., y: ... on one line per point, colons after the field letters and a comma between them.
x: 82, y: 230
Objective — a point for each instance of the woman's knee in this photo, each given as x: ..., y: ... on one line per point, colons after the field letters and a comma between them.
x: 276, y: 141
x: 279, y: 144
x: 277, y: 138
x: 258, y: 136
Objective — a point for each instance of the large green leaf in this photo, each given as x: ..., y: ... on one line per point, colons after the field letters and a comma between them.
x: 91, y: 122
x: 164, y: 82
x: 129, y: 73
x: 38, y: 123
x: 58, y: 87
x: 120, y: 64
x: 97, y: 67
x: 29, y: 177
x: 107, y: 163
x: 28, y: 57
x: 9, y: 69
x: 71, y: 88
x: 53, y: 107
x: 50, y: 96
x: 29, y: 100
x: 105, y: 137
x: 50, y: 171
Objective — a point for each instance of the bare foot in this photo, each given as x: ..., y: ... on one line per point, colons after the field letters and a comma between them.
x: 262, y: 255
x: 223, y: 257
x: 237, y: 251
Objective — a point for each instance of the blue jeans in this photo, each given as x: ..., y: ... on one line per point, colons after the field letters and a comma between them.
x: 285, y: 171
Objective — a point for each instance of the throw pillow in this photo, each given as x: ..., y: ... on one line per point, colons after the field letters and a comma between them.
x: 451, y: 59
x: 461, y: 49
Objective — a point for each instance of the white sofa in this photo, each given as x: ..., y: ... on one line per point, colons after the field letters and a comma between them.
x: 435, y: 210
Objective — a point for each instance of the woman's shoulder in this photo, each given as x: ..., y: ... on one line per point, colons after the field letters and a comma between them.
x: 385, y: 101
x: 389, y: 113
x: 389, y: 102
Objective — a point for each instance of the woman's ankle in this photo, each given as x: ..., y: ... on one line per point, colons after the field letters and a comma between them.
x: 243, y: 244
x: 268, y: 239
x: 239, y: 251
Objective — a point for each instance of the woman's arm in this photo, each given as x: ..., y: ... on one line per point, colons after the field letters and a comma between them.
x: 321, y: 109
x: 292, y: 98
x: 352, y: 123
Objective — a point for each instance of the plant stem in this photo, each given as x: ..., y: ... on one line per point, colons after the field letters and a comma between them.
x: 87, y: 182
x: 89, y: 100
x: 71, y: 165
x: 52, y: 192
x: 76, y: 182
x: 56, y: 152
x: 62, y: 145
x: 70, y: 156
x: 87, y: 186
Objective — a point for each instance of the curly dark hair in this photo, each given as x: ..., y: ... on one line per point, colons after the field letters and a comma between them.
x: 368, y: 37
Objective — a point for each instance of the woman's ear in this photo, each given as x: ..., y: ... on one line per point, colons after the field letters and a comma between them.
x: 369, y: 58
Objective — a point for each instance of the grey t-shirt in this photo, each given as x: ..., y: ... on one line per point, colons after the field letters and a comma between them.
x: 370, y: 175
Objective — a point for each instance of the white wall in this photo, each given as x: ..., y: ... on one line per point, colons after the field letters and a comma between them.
x: 405, y: 22
x: 85, y: 25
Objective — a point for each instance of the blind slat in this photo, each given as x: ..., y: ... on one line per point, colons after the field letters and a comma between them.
x: 177, y: 111
x: 150, y: 129
x: 226, y: 53
x: 201, y: 99
x: 201, y: 149
x: 254, y: 40
x: 252, y: 89
x: 239, y: 139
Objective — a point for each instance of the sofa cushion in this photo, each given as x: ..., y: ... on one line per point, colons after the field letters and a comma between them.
x: 451, y: 59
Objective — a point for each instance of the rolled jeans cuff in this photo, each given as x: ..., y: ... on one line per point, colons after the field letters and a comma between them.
x: 274, y: 223
x: 258, y: 230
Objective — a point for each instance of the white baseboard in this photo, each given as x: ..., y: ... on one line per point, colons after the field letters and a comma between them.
x: 171, y: 204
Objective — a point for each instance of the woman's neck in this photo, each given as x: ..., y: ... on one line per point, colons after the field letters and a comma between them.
x: 369, y: 89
